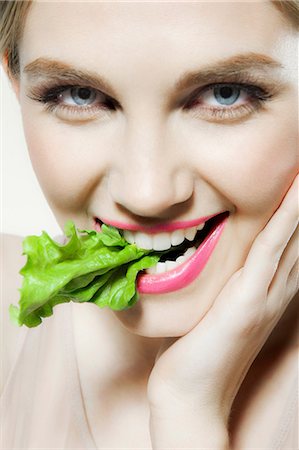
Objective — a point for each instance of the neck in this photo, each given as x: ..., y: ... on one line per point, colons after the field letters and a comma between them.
x: 109, y: 354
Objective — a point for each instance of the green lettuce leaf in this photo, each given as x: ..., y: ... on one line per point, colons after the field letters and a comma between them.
x: 90, y: 267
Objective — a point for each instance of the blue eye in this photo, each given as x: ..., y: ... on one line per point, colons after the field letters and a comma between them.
x: 71, y: 102
x: 226, y: 95
x: 221, y: 95
x: 222, y: 102
x: 81, y: 96
x: 215, y: 102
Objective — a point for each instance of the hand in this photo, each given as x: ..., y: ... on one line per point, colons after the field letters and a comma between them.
x: 202, y: 371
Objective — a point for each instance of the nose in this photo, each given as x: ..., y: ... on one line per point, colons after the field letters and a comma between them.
x: 151, y: 176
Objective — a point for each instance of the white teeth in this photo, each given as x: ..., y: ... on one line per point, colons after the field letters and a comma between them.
x: 180, y: 259
x: 190, y: 233
x: 143, y: 240
x: 161, y: 241
x: 177, y: 237
x: 170, y: 265
x: 160, y: 267
x: 152, y: 270
x: 166, y: 266
x: 129, y: 237
x: 189, y: 252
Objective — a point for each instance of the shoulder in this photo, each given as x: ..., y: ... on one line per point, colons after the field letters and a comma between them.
x: 11, y: 248
x: 12, y: 261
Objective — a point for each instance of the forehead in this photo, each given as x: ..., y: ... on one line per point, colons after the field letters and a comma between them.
x: 123, y: 34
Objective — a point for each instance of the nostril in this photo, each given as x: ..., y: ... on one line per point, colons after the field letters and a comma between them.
x: 150, y: 191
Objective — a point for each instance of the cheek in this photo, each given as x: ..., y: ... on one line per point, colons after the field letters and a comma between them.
x: 253, y: 164
x: 68, y: 160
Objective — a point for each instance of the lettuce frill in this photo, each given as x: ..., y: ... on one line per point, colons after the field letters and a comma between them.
x: 99, y: 268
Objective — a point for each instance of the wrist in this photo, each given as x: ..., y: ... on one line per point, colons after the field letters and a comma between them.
x: 188, y: 430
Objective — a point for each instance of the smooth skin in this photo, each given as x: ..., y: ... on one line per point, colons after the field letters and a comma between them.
x: 243, y: 316
x: 179, y: 358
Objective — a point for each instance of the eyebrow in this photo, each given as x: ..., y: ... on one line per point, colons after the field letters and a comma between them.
x: 228, y: 68
x: 58, y: 70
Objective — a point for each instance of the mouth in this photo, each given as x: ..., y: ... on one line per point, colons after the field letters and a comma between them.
x: 183, y: 254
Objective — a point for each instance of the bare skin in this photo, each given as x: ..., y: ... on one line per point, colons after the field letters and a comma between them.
x: 196, y: 157
x: 126, y: 387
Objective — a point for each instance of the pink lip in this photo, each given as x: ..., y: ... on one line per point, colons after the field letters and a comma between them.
x: 156, y: 228
x: 183, y: 275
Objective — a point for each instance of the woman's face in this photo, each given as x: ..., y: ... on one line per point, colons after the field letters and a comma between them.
x: 154, y: 146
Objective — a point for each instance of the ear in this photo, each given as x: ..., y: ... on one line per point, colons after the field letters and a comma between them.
x: 15, y: 84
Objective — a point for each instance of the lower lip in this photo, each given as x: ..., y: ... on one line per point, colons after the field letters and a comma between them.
x: 183, y: 275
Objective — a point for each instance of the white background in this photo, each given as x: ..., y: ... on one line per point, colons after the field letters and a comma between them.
x: 24, y: 209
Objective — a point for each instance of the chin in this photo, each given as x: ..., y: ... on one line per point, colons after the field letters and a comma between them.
x: 170, y: 315
x: 176, y: 313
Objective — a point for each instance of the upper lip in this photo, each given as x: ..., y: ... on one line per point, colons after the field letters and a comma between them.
x: 163, y: 227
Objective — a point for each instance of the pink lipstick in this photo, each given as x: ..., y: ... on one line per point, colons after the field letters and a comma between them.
x: 159, y: 228
x: 183, y: 275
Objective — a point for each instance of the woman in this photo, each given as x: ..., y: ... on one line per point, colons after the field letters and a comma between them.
x: 155, y: 117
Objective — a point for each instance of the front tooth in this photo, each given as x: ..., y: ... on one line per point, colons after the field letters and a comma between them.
x: 160, y: 267
x: 161, y: 241
x: 200, y: 227
x: 189, y: 252
x: 170, y: 265
x: 177, y: 237
x: 152, y: 270
x: 180, y: 260
x: 129, y: 237
x: 190, y: 233
x: 143, y: 240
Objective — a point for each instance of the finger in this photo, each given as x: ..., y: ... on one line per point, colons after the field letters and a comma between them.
x: 266, y: 251
x: 293, y: 282
x: 278, y: 294
x: 286, y: 262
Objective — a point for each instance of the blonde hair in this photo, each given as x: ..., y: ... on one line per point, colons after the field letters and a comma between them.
x: 290, y: 9
x: 12, y: 21
x: 13, y: 15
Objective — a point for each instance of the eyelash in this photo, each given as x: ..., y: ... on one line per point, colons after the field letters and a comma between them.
x: 258, y: 96
x: 48, y: 95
